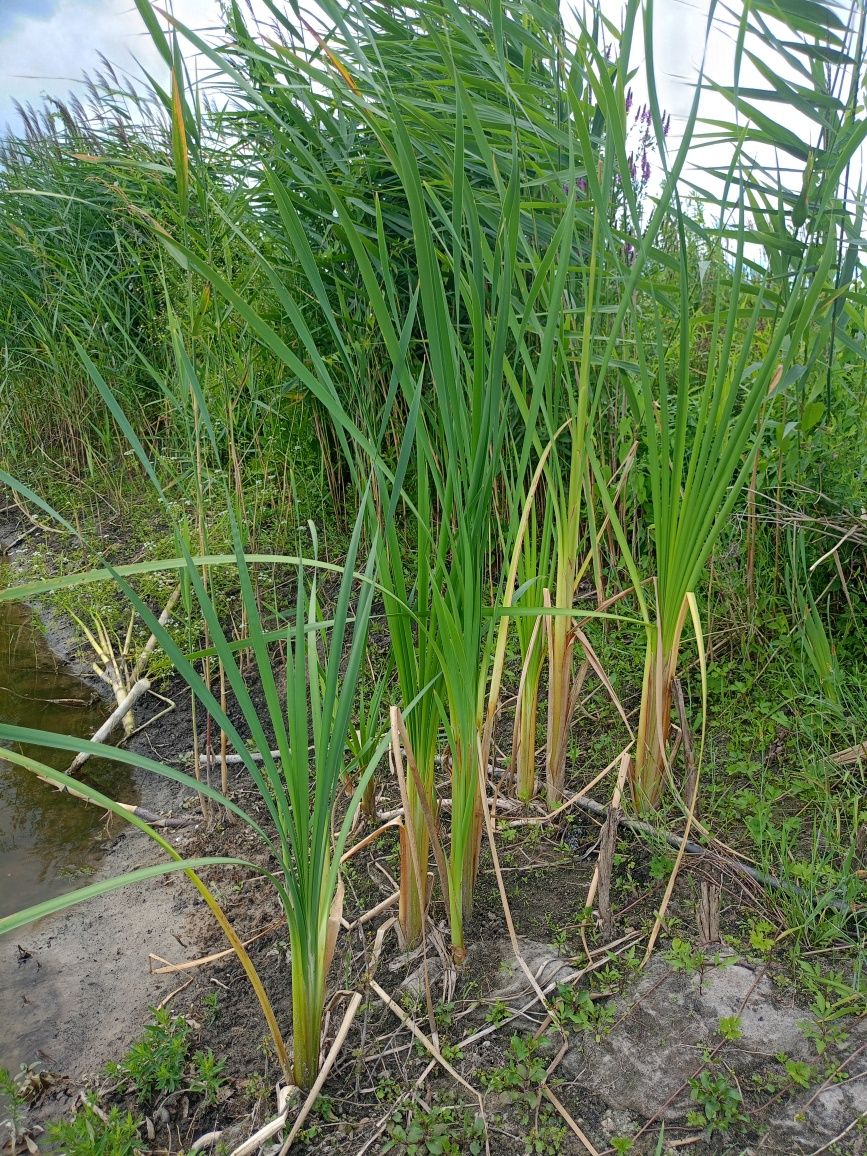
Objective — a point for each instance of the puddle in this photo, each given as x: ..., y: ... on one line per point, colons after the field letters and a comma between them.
x: 49, y: 842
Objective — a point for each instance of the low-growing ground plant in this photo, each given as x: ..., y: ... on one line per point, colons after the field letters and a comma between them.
x: 97, y: 1133
x: 160, y: 1062
x: 719, y: 1103
x: 444, y: 1130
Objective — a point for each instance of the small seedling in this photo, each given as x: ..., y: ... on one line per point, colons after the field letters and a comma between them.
x: 444, y: 1015
x: 546, y: 1140
x: 256, y: 1088
x: 661, y: 866
x: 571, y: 1006
x: 211, y: 1007
x: 824, y: 1034
x: 16, y: 1106
x: 800, y: 1073
x: 155, y: 1063
x: 498, y: 1013
x: 387, y: 1089
x: 718, y: 1100
x: 761, y: 938
x: 559, y: 939
x: 730, y: 1028
x: 443, y: 1131
x: 684, y: 957
x: 521, y: 1077
x: 159, y: 1063
x: 207, y: 1075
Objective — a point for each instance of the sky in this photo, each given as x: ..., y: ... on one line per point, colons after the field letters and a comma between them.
x: 45, y: 45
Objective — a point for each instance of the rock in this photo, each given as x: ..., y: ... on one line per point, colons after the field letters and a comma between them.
x: 666, y: 1023
x: 511, y: 985
x: 615, y: 1123
x: 800, y: 1126
x: 414, y: 983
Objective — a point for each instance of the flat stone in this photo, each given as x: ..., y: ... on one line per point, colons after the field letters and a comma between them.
x: 511, y: 985
x: 615, y: 1123
x: 430, y: 971
x: 800, y: 1126
x: 668, y: 1021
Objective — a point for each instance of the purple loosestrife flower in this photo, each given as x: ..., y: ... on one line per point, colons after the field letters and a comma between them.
x: 645, y: 168
x: 629, y: 99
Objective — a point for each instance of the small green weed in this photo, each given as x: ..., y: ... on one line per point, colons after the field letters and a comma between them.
x: 799, y: 1072
x: 622, y: 1144
x: 89, y: 1134
x: 207, y: 1074
x: 498, y: 1013
x: 522, y: 1077
x: 719, y: 1103
x: 825, y: 1034
x: 545, y: 1140
x: 761, y: 936
x: 387, y: 1088
x: 16, y: 1107
x: 445, y: 1130
x: 211, y: 1007
x: 684, y: 957
x: 444, y: 1015
x: 256, y: 1088
x: 159, y: 1063
x: 155, y: 1063
x: 730, y: 1028
x: 578, y: 1008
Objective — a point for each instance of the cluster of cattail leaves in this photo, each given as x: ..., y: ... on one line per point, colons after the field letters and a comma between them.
x: 430, y: 226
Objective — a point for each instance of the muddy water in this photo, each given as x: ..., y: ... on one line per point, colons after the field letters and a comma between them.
x: 49, y: 843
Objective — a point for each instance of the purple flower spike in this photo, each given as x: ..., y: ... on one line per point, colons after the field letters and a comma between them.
x: 645, y: 169
x: 629, y: 99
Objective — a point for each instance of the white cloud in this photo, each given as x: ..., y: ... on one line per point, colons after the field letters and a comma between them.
x: 48, y: 44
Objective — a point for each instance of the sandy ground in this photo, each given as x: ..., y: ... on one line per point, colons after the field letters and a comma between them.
x: 84, y: 992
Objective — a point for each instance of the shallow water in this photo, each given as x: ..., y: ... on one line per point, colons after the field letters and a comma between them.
x: 49, y: 842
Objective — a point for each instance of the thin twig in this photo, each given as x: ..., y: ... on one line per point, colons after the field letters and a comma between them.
x: 549, y: 1095
x: 205, y: 959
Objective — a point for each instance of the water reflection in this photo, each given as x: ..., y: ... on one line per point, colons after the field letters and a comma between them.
x: 48, y: 841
